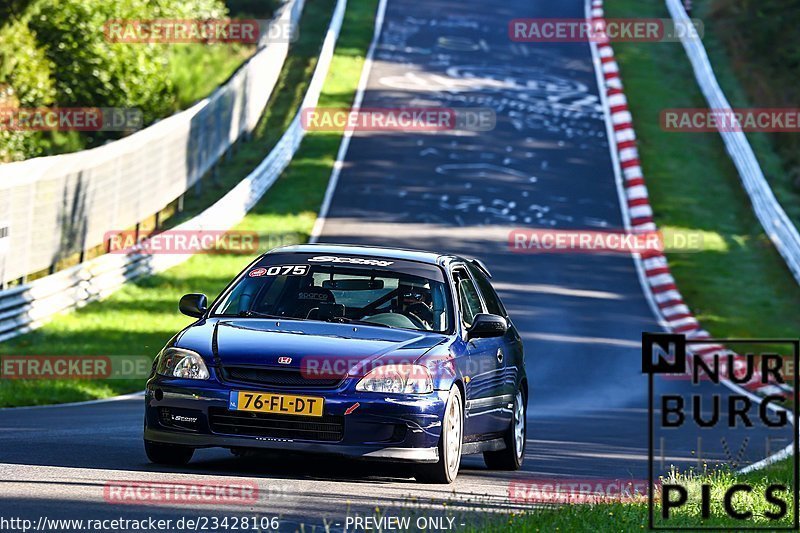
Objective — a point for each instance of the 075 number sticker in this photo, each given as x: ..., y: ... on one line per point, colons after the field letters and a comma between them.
x: 279, y: 270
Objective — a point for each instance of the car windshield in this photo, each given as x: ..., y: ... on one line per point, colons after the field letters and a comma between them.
x: 396, y: 294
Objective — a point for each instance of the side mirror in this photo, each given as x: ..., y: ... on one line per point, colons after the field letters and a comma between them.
x: 485, y: 325
x: 193, y: 305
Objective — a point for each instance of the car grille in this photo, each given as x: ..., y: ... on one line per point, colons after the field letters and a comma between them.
x: 325, y: 428
x: 283, y: 377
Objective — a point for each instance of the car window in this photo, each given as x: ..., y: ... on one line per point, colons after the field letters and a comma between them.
x: 468, y: 297
x: 493, y: 303
x: 359, y: 298
x: 342, y: 293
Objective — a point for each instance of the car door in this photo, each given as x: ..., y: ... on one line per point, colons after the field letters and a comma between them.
x: 486, y: 409
x: 511, y: 343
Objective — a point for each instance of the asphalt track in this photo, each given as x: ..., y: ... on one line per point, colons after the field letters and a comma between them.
x: 546, y: 164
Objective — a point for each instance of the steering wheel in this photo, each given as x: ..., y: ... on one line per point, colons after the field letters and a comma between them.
x: 417, y: 321
x: 421, y: 312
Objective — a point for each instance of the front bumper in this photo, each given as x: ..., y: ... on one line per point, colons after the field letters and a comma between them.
x: 402, y: 428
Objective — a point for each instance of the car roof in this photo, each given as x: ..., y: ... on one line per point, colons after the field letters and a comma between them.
x: 403, y: 254
x: 420, y: 256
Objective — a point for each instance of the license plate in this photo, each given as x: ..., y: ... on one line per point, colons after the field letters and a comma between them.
x: 279, y: 404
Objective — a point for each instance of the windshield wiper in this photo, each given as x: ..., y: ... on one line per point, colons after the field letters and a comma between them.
x: 345, y: 320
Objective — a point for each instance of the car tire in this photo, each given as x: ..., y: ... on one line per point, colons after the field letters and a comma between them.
x: 450, y: 443
x: 168, y: 454
x: 514, y: 453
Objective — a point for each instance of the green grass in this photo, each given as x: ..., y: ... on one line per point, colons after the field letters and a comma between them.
x: 756, y: 69
x: 738, y: 286
x: 286, y: 97
x: 196, y: 70
x: 633, y: 516
x: 728, y: 75
x: 142, y: 316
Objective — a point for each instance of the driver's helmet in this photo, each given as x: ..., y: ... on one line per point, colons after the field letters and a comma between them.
x: 413, y: 294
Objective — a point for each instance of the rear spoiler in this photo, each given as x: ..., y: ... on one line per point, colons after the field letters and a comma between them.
x: 478, y: 263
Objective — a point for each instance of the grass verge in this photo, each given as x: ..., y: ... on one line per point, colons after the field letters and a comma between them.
x: 633, y: 516
x: 49, y: 49
x: 737, y: 285
x: 755, y: 69
x: 140, y: 318
x: 728, y: 69
x: 196, y: 70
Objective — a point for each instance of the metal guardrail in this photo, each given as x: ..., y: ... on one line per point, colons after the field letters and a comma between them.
x: 773, y: 218
x: 56, y: 207
x: 29, y: 306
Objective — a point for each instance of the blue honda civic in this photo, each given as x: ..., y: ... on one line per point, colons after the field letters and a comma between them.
x: 375, y: 353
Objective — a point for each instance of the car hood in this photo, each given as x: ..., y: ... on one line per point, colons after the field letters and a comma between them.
x: 295, y: 344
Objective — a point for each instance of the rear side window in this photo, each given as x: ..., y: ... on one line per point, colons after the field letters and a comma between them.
x: 468, y: 298
x: 493, y: 303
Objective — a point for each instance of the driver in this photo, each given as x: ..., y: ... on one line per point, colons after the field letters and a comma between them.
x: 416, y: 302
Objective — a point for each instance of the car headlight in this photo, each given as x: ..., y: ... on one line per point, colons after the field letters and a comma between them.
x: 404, y: 379
x: 180, y: 363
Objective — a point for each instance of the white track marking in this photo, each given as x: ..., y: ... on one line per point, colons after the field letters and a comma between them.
x: 640, y: 269
x: 78, y: 404
x: 319, y: 224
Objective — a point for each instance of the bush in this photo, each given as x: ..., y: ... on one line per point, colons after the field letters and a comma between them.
x: 25, y: 80
x: 24, y: 66
x: 55, y: 52
x: 91, y: 71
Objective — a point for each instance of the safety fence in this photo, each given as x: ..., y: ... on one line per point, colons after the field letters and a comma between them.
x: 773, y: 218
x: 57, y: 207
x: 28, y: 306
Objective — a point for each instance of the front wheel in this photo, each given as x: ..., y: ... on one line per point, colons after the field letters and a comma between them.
x: 512, y: 456
x: 167, y: 454
x: 446, y: 469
